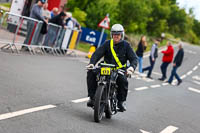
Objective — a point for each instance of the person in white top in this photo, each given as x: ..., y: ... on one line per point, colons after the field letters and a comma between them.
x: 45, y: 12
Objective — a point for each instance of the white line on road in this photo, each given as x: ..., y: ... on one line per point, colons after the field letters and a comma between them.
x: 196, y: 77
x: 141, y: 88
x: 80, y: 100
x: 143, y: 131
x: 169, y: 129
x: 138, y: 78
x: 148, y: 80
x: 164, y: 84
x: 156, y: 73
x: 194, y: 90
x: 184, y: 76
x: 155, y: 86
x: 199, y: 63
x: 190, y: 72
x: 197, y: 82
x: 173, y: 83
x: 26, y: 111
x: 195, y: 68
x: 85, y: 99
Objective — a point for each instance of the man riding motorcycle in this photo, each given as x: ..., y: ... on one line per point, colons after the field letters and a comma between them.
x: 115, y: 51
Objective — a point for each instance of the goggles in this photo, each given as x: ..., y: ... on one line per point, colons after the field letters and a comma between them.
x: 116, y: 32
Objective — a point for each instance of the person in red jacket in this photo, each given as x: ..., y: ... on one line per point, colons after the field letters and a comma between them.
x: 167, y: 59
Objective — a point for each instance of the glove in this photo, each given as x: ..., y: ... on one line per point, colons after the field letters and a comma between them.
x: 90, y: 66
x: 130, y: 71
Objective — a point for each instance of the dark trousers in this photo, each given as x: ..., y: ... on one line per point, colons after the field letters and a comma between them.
x: 173, y: 73
x: 149, y: 68
x: 163, y: 68
x: 122, y: 83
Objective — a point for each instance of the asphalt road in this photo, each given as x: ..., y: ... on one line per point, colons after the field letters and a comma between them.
x: 47, y: 94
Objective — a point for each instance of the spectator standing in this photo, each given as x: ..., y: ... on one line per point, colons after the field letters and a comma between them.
x: 36, y: 13
x: 54, y: 12
x: 45, y: 12
x: 176, y: 64
x: 71, y: 22
x: 167, y: 59
x: 152, y: 58
x: 51, y: 34
x: 140, y: 50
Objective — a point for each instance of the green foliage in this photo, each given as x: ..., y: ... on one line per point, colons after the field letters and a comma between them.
x: 83, y: 47
x: 150, y: 17
x: 196, y: 27
x: 8, y: 5
x: 98, y: 10
x: 191, y: 37
x: 79, y: 15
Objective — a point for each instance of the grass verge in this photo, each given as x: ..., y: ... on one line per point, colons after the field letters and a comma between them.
x: 84, y: 47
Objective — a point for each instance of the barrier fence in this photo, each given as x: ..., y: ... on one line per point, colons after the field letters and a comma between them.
x: 20, y: 33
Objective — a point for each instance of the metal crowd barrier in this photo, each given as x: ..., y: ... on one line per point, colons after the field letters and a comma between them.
x: 20, y: 32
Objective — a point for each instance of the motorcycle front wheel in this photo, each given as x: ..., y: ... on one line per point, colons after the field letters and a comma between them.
x: 100, y: 103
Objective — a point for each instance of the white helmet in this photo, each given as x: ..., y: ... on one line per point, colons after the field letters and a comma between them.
x: 117, y: 29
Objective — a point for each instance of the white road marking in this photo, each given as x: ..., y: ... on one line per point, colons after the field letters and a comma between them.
x: 197, y: 82
x: 155, y: 86
x: 169, y: 129
x: 164, y: 84
x: 143, y: 131
x: 25, y: 111
x: 196, y: 77
x: 190, y: 72
x: 189, y: 51
x: 141, y: 88
x: 133, y: 76
x: 80, y: 100
x: 199, y: 63
x: 156, y: 73
x: 194, y: 90
x: 85, y: 99
x: 195, y: 68
x: 184, y: 76
x: 173, y: 83
x: 148, y: 80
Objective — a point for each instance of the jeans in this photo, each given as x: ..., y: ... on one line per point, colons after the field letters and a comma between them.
x: 173, y: 73
x: 140, y: 60
x: 149, y: 68
x: 122, y: 84
x: 164, y: 69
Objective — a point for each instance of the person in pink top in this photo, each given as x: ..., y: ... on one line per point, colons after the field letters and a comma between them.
x: 167, y: 59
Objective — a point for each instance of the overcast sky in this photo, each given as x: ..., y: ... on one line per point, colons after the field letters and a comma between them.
x: 187, y: 4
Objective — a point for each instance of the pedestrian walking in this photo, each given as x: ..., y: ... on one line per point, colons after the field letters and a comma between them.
x: 71, y: 22
x: 167, y: 59
x: 140, y: 50
x: 152, y: 58
x: 176, y: 64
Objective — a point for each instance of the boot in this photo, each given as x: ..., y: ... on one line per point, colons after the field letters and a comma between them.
x: 122, y: 106
x: 90, y: 103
